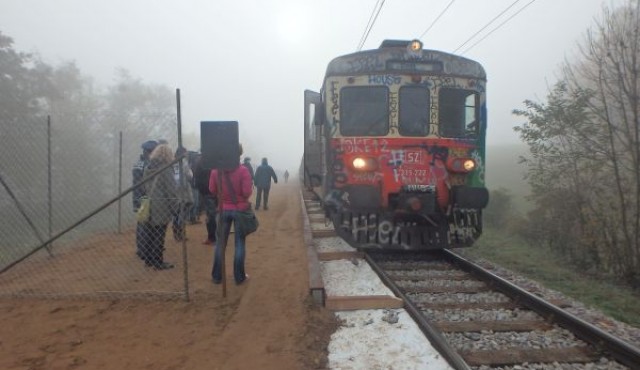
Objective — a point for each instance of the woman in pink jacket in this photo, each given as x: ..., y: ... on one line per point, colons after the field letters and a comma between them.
x: 241, y: 185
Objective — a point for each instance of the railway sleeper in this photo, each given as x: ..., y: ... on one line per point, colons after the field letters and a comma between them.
x: 493, y: 326
x: 514, y: 356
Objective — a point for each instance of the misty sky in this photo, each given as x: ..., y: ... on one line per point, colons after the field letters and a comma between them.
x: 250, y: 61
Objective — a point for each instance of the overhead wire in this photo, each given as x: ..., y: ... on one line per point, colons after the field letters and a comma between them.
x: 436, y: 20
x: 486, y: 25
x: 373, y: 11
x: 372, y: 21
x: 500, y: 25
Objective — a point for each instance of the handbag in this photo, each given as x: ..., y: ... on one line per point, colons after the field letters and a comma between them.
x: 246, y: 221
x: 144, y: 212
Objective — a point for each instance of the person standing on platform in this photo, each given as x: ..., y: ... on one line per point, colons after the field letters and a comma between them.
x: 184, y: 194
x: 137, y: 173
x: 163, y: 195
x: 247, y: 163
x: 262, y: 180
x: 201, y: 178
x: 238, y: 182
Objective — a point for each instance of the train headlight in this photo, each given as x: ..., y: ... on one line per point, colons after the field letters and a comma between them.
x: 461, y: 165
x: 415, y: 45
x: 468, y: 165
x: 364, y: 164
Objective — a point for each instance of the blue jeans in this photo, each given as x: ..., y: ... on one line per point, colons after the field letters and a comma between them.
x: 194, y: 211
x: 226, y: 219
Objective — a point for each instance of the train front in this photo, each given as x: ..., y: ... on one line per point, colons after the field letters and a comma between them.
x: 404, y: 136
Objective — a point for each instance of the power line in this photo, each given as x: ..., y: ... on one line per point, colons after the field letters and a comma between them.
x: 434, y: 22
x: 370, y: 24
x: 486, y: 25
x: 500, y: 25
x: 367, y: 26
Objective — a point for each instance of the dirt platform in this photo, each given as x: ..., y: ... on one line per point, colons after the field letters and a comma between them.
x: 267, y: 323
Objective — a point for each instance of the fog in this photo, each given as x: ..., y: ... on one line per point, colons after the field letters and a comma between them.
x: 250, y: 61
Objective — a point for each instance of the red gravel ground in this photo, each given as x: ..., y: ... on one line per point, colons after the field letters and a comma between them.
x: 268, y: 323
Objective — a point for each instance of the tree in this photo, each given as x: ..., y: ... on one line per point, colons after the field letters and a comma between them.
x: 585, y: 145
x: 499, y: 210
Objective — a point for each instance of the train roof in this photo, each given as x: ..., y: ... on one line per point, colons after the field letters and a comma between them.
x: 394, y: 55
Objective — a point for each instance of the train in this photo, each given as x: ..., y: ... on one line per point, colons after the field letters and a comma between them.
x: 394, y: 147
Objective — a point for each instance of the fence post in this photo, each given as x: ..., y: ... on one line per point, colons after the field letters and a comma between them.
x: 49, y: 180
x: 120, y: 184
x: 185, y: 260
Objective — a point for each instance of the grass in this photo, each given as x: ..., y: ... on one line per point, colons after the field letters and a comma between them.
x: 617, y: 301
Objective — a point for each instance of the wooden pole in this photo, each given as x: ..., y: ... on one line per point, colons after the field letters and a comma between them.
x: 221, y: 239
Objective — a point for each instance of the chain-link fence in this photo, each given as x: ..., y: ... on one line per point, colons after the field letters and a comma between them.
x: 68, y: 226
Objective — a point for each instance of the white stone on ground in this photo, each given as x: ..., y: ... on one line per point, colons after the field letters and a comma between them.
x: 365, y: 341
x: 332, y: 244
x: 320, y: 226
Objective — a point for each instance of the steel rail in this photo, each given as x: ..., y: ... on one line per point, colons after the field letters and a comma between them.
x: 622, y: 351
x: 432, y: 333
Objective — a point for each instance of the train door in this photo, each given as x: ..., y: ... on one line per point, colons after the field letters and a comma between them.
x: 313, y: 161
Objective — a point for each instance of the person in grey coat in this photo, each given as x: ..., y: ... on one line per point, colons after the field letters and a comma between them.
x: 262, y: 180
x: 137, y: 173
x: 163, y: 193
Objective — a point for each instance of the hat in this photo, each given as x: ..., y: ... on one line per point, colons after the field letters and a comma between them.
x: 149, y: 145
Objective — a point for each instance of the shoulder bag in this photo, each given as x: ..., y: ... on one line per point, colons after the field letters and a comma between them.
x: 144, y: 212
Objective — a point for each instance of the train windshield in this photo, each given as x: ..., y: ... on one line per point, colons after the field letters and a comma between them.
x: 458, y: 111
x: 414, y: 111
x: 364, y: 111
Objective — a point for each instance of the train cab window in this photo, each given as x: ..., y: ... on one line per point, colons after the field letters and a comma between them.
x: 414, y: 111
x: 458, y: 113
x: 311, y: 111
x: 364, y: 111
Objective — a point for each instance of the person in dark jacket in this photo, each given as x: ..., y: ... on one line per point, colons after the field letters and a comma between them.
x: 194, y: 212
x: 137, y: 174
x: 247, y: 163
x: 163, y: 193
x: 183, y: 177
x: 262, y: 180
x: 201, y: 178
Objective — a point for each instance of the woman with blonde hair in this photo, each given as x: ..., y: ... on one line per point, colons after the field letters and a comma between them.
x: 163, y: 195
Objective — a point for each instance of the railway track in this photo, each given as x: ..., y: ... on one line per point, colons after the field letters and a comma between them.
x: 478, y: 320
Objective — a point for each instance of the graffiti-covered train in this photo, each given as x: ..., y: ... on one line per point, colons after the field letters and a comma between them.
x: 395, y: 147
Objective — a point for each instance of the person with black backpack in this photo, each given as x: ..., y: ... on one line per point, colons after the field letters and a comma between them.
x: 201, y: 178
x: 196, y: 209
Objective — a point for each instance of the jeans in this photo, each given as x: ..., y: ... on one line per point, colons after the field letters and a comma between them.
x: 239, y: 276
x: 210, y: 210
x: 194, y: 212
x: 259, y: 194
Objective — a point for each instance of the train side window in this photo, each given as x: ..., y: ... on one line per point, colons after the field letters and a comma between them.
x: 364, y: 111
x: 414, y: 111
x: 311, y: 111
x: 458, y: 113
